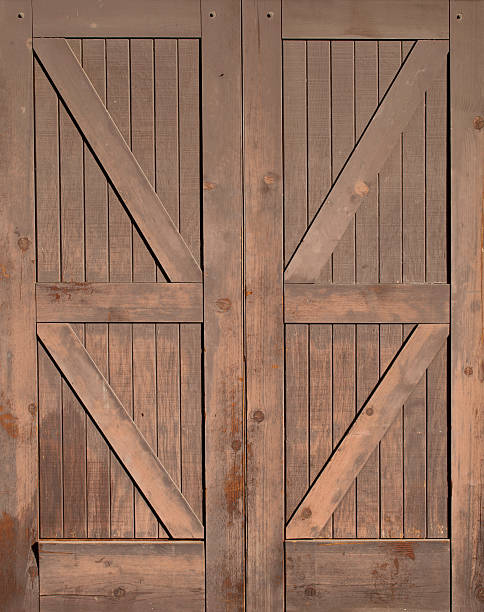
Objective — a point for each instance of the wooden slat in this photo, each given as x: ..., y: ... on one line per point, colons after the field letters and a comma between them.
x: 137, y: 576
x: 358, y: 177
x: 119, y: 302
x: 111, y: 19
x: 18, y: 396
x: 367, y: 430
x: 223, y: 323
x: 342, y: 576
x: 467, y: 305
x: 377, y: 19
x: 119, y: 429
x: 117, y: 160
x: 262, y: 78
x: 385, y: 303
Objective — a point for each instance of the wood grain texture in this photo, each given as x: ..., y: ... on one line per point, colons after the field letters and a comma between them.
x: 385, y: 303
x: 223, y: 341
x: 161, y: 18
x: 262, y: 74
x: 18, y: 397
x: 117, y: 160
x: 377, y: 19
x: 339, y: 575
x: 367, y: 430
x: 119, y: 429
x: 357, y: 179
x: 135, y: 576
x: 467, y: 305
x: 119, y: 302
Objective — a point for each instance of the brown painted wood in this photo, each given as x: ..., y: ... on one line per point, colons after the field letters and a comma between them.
x: 376, y: 19
x: 119, y: 429
x: 357, y: 179
x: 367, y: 430
x: 117, y: 160
x: 119, y: 302
x: 385, y: 303
x: 160, y: 18
x: 224, y: 369
x: 338, y: 575
x: 262, y: 78
x: 18, y: 398
x: 80, y: 575
x: 467, y: 342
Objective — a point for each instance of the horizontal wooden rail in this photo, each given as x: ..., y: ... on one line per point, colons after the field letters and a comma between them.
x: 119, y: 302
x: 304, y: 303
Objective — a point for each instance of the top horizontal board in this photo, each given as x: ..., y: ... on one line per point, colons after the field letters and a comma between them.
x: 117, y: 18
x: 369, y: 19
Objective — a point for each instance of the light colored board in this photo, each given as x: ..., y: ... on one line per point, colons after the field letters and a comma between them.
x: 96, y: 270
x: 119, y: 302
x: 385, y: 303
x: 436, y: 271
x: 72, y: 270
x: 119, y: 429
x: 120, y: 270
x: 262, y: 80
x: 223, y: 339
x: 18, y: 396
x: 365, y: 433
x: 117, y: 160
x: 135, y: 576
x: 371, y: 575
x: 111, y: 19
x: 377, y: 19
x: 467, y: 305
x: 358, y: 177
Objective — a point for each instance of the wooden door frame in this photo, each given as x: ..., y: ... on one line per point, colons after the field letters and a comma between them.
x: 262, y: 181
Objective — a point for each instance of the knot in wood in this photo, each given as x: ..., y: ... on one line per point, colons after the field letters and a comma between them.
x: 236, y: 445
x: 478, y: 123
x: 468, y: 371
x: 23, y: 243
x: 306, y: 513
x: 258, y: 416
x: 361, y: 189
x: 309, y: 591
x: 369, y: 411
x: 223, y: 304
x: 119, y: 592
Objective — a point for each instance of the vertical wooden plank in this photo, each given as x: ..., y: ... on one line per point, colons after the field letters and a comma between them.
x: 72, y: 270
x: 319, y: 183
x: 223, y: 323
x: 262, y: 74
x: 18, y: 412
x: 96, y: 228
x: 120, y: 270
x: 297, y: 425
x: 467, y: 342
x: 413, y: 271
x: 344, y: 388
x: 48, y: 270
x: 367, y: 336
x: 144, y: 268
x: 436, y: 272
x: 390, y: 264
x: 321, y: 403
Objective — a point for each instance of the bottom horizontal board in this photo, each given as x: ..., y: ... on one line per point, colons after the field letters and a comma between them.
x: 139, y: 576
x: 338, y: 575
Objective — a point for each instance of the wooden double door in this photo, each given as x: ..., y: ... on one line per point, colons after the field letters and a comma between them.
x: 235, y: 238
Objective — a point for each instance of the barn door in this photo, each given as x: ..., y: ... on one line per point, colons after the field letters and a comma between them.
x: 241, y: 349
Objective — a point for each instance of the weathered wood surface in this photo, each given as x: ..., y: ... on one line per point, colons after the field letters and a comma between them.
x: 377, y: 19
x: 366, y: 432
x: 467, y: 305
x: 134, y: 576
x: 18, y: 367
x: 117, y: 160
x: 119, y: 302
x: 111, y: 19
x: 339, y: 575
x: 357, y: 179
x: 119, y: 429
x: 385, y: 303
x: 262, y: 82
x: 223, y: 304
